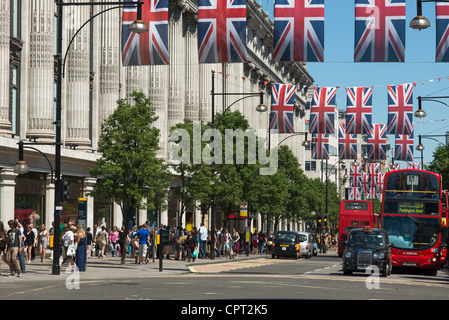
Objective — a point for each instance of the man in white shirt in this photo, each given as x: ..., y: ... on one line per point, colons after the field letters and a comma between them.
x: 203, y: 240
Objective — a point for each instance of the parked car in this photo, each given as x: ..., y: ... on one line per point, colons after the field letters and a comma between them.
x: 286, y: 243
x: 306, y: 240
x: 365, y: 248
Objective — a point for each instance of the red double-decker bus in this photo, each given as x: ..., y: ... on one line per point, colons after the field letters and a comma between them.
x: 354, y: 214
x: 411, y: 215
x: 444, y: 226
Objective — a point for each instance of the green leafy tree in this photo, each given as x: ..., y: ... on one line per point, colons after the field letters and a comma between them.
x: 440, y: 164
x: 129, y: 170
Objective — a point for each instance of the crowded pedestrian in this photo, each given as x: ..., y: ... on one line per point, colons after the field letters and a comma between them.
x: 13, y: 247
x: 29, y: 242
x: 113, y: 241
x: 262, y: 239
x: 226, y: 240
x: 255, y: 242
x: 192, y: 245
x: 236, y: 239
x: 69, y: 244
x: 89, y: 242
x: 144, y: 236
x: 3, y: 240
x: 101, y: 239
x: 203, y: 240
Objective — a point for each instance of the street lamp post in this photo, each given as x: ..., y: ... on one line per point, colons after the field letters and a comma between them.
x: 420, y: 22
x: 260, y: 108
x: 420, y: 146
x: 137, y: 26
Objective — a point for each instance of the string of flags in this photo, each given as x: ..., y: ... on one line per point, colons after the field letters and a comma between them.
x: 380, y: 31
x: 369, y: 180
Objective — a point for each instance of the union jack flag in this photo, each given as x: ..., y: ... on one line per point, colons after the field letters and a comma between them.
x: 320, y: 146
x: 380, y: 182
x: 373, y: 171
x: 442, y: 31
x: 379, y: 31
x: 403, y: 149
x: 347, y: 143
x: 354, y: 193
x: 222, y: 31
x: 322, y: 112
x: 377, y: 142
x: 371, y: 193
x: 365, y: 183
x: 299, y: 30
x: 400, y: 109
x: 394, y: 166
x: 355, y: 175
x: 148, y: 48
x: 413, y: 165
x: 359, y: 109
x: 281, y: 115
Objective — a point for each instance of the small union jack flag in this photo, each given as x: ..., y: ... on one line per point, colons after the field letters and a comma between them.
x: 322, y: 112
x: 222, y: 31
x: 354, y: 193
x: 347, y: 143
x: 403, y: 149
x: 379, y: 31
x: 373, y: 171
x: 377, y: 142
x: 442, y: 31
x: 380, y: 182
x: 365, y: 183
x: 394, y: 166
x: 282, y: 101
x: 320, y: 146
x: 355, y: 175
x: 299, y: 30
x: 359, y: 109
x: 148, y: 48
x: 400, y: 109
x: 413, y: 165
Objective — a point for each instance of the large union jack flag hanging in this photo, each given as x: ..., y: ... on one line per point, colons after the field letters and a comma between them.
x: 322, y: 112
x: 222, y: 31
x: 347, y: 143
x: 442, y: 31
x: 320, y: 146
x: 379, y: 31
x: 282, y: 101
x: 359, y: 109
x: 148, y: 48
x: 403, y: 149
x: 365, y: 183
x: 299, y: 30
x: 377, y: 142
x: 355, y: 175
x: 400, y: 109
x: 380, y: 182
x: 373, y: 171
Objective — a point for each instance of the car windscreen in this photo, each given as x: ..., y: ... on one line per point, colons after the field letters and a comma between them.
x: 366, y: 240
x: 285, y: 236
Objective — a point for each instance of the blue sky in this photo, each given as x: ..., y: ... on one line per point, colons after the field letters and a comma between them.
x: 340, y: 70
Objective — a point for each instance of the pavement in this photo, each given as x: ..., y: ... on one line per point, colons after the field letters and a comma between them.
x: 110, y: 268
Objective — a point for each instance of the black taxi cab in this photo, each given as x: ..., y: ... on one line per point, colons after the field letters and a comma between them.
x: 367, y: 247
x: 286, y: 243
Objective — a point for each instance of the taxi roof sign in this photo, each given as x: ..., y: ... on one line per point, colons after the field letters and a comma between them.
x: 367, y: 230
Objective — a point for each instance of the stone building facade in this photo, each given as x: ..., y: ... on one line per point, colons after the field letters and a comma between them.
x: 94, y: 79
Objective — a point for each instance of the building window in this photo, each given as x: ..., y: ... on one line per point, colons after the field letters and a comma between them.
x: 14, y: 101
x: 15, y: 18
x: 310, y: 166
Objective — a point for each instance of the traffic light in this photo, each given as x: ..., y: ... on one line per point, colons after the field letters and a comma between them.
x: 325, y: 223
x: 65, y: 190
x: 319, y: 222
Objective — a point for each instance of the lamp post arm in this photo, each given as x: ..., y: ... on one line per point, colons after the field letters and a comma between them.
x: 247, y: 95
x: 434, y: 100
x: 292, y: 135
x: 45, y: 156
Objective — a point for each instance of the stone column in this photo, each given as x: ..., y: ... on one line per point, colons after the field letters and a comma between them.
x: 5, y: 124
x: 41, y: 69
x: 88, y: 186
x: 77, y: 99
x: 49, y: 202
x: 7, y: 195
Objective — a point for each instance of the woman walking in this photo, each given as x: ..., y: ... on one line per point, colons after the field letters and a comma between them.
x: 43, y: 242
x: 236, y: 239
x: 29, y: 243
x: 81, y: 250
x: 191, y: 243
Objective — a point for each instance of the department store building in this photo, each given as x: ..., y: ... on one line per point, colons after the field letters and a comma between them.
x: 94, y: 79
